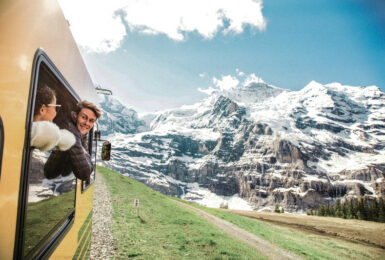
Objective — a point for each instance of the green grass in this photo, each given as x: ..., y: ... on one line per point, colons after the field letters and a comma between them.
x: 306, y: 245
x: 164, y: 230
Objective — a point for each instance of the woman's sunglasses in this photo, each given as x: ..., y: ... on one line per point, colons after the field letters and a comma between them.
x: 57, y: 107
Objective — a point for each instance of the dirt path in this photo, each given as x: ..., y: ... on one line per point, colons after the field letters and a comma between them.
x: 270, y: 250
x: 365, y: 232
x: 102, y: 240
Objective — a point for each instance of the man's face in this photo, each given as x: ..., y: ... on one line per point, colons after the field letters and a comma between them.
x: 85, y: 120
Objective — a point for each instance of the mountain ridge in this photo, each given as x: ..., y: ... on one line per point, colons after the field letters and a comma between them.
x: 299, y: 149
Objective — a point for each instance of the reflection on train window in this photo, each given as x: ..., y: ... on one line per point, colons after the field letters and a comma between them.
x: 51, y: 202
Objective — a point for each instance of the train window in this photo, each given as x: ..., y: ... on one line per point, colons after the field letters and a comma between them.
x: 1, y: 142
x: 50, y: 197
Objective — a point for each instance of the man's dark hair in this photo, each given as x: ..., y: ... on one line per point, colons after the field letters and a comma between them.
x: 89, y: 105
x: 44, y: 96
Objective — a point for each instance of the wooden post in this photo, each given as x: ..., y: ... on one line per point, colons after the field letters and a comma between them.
x: 136, y: 204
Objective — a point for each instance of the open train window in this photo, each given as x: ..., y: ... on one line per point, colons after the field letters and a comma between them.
x: 49, y: 200
x: 92, y: 146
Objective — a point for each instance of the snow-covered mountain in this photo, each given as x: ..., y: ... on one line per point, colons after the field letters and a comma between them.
x: 257, y: 145
x: 117, y: 118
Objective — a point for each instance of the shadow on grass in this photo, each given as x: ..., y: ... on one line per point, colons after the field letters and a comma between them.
x: 132, y: 254
x: 143, y: 221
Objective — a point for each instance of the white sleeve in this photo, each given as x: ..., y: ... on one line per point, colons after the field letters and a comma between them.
x: 45, y: 135
x: 67, y: 140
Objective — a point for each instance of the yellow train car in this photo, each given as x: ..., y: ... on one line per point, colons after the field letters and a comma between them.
x: 39, y: 218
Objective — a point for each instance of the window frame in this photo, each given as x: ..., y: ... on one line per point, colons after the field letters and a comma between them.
x: 64, y: 226
x: 1, y: 142
x: 90, y: 143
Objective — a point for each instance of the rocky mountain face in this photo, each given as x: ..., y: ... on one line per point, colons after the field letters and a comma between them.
x: 117, y: 118
x: 262, y: 144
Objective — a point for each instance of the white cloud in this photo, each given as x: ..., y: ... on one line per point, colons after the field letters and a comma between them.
x: 94, y: 23
x: 252, y: 79
x: 239, y: 73
x: 226, y: 83
x: 175, y: 17
x: 208, y: 91
x: 96, y: 26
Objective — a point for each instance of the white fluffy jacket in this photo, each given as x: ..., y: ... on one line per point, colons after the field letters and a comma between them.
x: 46, y: 135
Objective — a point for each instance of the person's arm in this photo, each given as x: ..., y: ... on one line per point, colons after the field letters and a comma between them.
x: 57, y: 164
x: 80, y: 159
x: 45, y: 135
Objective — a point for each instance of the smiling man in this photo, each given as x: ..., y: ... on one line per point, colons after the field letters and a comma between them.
x: 76, y: 159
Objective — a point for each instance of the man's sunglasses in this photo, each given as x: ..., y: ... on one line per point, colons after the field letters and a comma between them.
x: 57, y: 107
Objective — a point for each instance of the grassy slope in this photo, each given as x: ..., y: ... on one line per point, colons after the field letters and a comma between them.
x: 309, y: 246
x: 167, y: 231
x: 164, y: 229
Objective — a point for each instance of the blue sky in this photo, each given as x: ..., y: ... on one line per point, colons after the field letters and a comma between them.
x: 153, y: 67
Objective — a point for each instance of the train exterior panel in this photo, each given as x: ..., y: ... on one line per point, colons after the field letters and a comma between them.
x: 29, y: 29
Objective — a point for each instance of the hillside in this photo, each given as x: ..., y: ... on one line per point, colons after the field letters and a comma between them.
x: 166, y: 230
